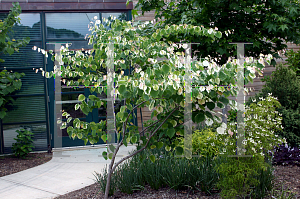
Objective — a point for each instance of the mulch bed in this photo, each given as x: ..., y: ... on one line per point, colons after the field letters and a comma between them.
x: 287, y: 175
x: 11, y: 164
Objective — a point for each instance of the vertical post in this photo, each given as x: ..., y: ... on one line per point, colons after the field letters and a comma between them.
x: 111, y: 131
x: 240, y: 99
x: 188, y: 148
x: 57, y: 94
x: 57, y: 100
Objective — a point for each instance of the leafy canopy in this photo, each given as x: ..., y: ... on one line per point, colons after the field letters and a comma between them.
x: 257, y: 21
x: 157, y: 81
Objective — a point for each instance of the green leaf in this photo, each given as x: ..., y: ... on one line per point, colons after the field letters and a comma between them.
x: 152, y: 158
x: 160, y: 144
x: 152, y: 146
x: 222, y: 76
x: 171, y: 132
x: 179, y: 150
x: 103, y: 137
x: 220, y: 105
x: 153, y: 93
x: 2, y: 114
x: 10, y: 51
x: 210, y: 105
x: 133, y: 139
x: 81, y: 97
x: 218, y: 35
x: 166, y: 69
x: 153, y: 114
x: 104, y: 154
x: 69, y: 119
x: 122, y: 89
x: 208, y: 114
x: 110, y: 155
x: 200, y: 117
x: 111, y: 147
x: 223, y: 100
x: 168, y: 148
x: 151, y: 105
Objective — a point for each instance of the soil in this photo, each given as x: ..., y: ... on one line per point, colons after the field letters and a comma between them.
x: 11, y: 164
x: 288, y: 176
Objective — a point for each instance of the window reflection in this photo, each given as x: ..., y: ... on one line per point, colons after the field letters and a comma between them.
x: 29, y: 26
x: 68, y: 25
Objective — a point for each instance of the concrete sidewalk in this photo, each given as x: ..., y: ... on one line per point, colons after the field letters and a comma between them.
x: 69, y: 170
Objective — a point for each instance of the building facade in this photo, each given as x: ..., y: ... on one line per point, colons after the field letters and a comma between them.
x: 47, y: 23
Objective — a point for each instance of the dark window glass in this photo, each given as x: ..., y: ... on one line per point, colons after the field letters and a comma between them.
x: 26, y: 109
x: 69, y: 101
x: 30, y: 26
x: 69, y: 25
x: 32, y: 82
x: 26, y: 57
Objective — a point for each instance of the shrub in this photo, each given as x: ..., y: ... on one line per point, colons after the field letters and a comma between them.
x: 238, y: 174
x: 293, y: 60
x: 285, y: 86
x: 204, y: 143
x: 265, y: 181
x: 291, y: 124
x: 24, y: 143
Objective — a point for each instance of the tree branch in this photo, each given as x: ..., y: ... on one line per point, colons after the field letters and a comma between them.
x: 129, y: 156
x: 150, y: 126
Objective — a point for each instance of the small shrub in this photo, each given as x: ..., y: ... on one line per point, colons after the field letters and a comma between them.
x: 24, y: 143
x: 293, y: 60
x: 204, y: 143
x: 291, y: 126
x: 241, y: 174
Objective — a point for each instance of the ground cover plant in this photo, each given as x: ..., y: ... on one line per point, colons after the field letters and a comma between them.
x: 157, y: 84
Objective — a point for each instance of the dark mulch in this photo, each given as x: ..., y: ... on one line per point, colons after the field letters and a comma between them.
x: 11, y: 164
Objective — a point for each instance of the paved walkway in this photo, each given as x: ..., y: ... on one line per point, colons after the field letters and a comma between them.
x: 68, y: 170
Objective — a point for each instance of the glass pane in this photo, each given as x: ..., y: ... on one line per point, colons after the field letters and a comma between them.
x: 26, y: 109
x: 39, y: 138
x: 70, y: 107
x: 26, y: 57
x: 68, y: 25
x: 102, y: 109
x: 32, y: 82
x: 30, y: 26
